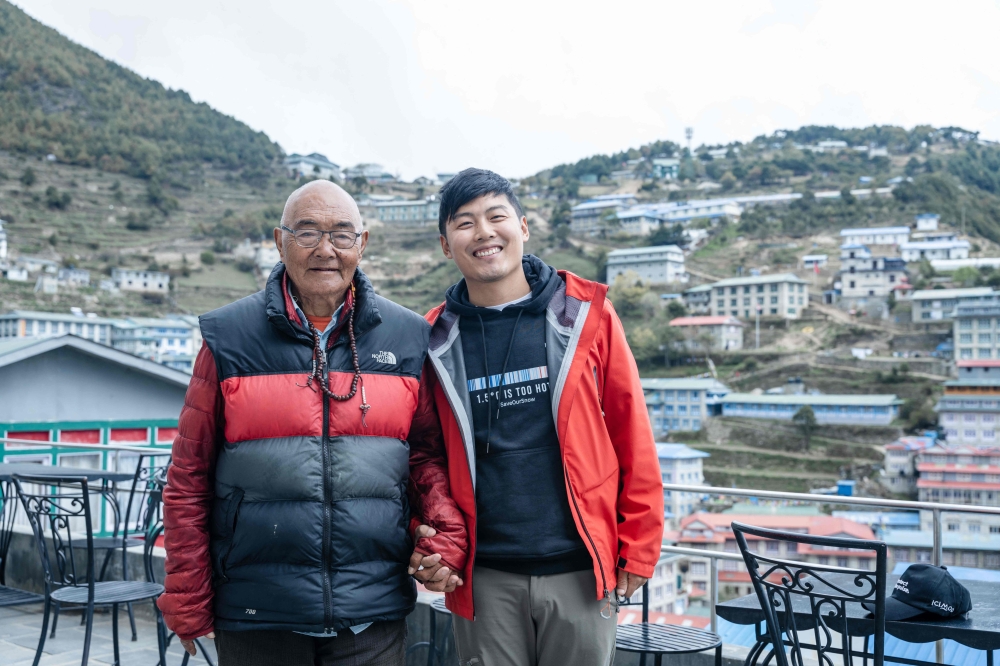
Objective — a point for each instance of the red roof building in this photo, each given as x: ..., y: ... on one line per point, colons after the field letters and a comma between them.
x: 713, y: 531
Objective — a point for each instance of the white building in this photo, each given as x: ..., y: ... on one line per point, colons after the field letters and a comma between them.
x: 402, y: 212
x: 638, y: 222
x: 858, y: 409
x: 17, y: 274
x: 782, y: 294
x: 37, y: 264
x: 313, y: 164
x: 899, y: 466
x: 666, y: 168
x: 660, y: 264
x: 813, y: 261
x: 373, y: 173
x: 698, y: 299
x: 150, y: 282
x: 938, y: 304
x: 74, y: 277
x: 863, y: 274
x: 952, y: 265
x: 927, y: 221
x: 683, y: 465
x: 265, y: 259
x: 682, y: 403
x: 166, y: 341
x: 876, y: 235
x: 704, y: 333
x: 26, y: 323
x: 589, y: 217
x: 918, y: 250
x: 667, y: 593
x: 710, y: 209
x: 976, y: 330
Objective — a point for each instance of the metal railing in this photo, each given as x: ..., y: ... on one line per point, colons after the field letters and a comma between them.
x: 935, y: 508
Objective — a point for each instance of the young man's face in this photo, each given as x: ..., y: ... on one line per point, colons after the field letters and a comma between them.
x: 485, y: 238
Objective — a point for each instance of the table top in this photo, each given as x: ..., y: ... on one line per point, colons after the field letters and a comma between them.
x: 7, y: 470
x: 979, y: 629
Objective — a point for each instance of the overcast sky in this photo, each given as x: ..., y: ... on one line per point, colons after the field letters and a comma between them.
x: 423, y: 86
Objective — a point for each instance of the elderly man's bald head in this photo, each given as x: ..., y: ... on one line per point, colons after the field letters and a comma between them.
x: 321, y: 201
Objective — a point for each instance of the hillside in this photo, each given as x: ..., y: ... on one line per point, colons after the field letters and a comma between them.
x: 58, y: 98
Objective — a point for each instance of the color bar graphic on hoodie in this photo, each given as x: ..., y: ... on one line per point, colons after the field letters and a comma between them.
x: 514, y: 377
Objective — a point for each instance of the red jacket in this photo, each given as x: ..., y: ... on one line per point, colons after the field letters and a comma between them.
x: 612, y: 471
x: 254, y: 451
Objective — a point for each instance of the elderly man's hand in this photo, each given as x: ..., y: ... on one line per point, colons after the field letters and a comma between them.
x: 190, y: 647
x: 429, y: 569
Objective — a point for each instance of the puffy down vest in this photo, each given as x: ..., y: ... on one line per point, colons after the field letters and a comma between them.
x: 308, y: 530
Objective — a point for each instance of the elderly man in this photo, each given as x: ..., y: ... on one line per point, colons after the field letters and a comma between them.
x: 309, y: 447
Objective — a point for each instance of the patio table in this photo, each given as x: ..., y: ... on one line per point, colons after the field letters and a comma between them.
x: 979, y: 629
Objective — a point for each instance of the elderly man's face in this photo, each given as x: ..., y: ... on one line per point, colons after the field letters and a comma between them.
x: 322, y: 272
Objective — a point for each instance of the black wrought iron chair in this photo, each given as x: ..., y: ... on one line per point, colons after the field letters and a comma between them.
x: 660, y: 639
x: 153, y: 532
x: 435, y: 654
x: 59, y: 511
x: 10, y: 596
x: 799, y: 598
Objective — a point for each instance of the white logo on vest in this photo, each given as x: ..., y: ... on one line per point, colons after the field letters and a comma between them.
x: 386, y: 357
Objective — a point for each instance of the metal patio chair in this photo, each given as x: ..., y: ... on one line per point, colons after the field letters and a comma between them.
x: 10, y: 596
x: 801, y: 598
x: 663, y: 639
x: 135, y: 521
x: 57, y: 508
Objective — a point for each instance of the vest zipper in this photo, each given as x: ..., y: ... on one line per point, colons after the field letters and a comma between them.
x: 597, y: 554
x: 327, y: 594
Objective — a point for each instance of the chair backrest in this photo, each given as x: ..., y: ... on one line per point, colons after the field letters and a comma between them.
x: 56, y: 507
x: 155, y: 527
x: 138, y: 509
x: 8, y: 509
x: 806, y: 597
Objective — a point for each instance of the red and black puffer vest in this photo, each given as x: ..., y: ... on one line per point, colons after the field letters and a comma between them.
x: 309, y: 524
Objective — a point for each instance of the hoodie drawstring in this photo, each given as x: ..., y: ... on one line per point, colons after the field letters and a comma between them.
x: 503, y: 373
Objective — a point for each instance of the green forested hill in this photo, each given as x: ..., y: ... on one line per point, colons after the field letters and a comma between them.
x: 57, y: 97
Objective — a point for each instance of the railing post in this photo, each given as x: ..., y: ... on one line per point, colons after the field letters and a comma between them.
x: 936, y: 557
x: 714, y: 599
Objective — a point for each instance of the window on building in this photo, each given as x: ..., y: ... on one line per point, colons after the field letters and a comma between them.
x: 965, y: 338
x: 984, y: 323
x: 774, y: 300
x: 772, y: 546
x: 823, y: 559
x: 774, y: 287
x: 970, y: 560
x: 985, y: 338
x: 841, y: 561
x: 965, y: 324
x: 953, y: 527
x: 965, y: 352
x: 774, y: 311
x: 975, y: 528
x: 698, y: 569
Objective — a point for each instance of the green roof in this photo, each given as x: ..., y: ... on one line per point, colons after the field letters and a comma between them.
x: 700, y: 288
x: 970, y: 382
x: 878, y: 400
x: 759, y: 279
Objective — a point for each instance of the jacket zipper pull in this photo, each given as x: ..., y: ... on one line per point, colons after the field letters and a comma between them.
x: 606, y: 611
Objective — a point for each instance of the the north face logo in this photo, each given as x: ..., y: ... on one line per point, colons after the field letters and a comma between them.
x: 385, y: 357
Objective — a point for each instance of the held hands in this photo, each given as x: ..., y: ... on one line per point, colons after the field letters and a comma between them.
x: 429, y: 569
x: 628, y: 583
x: 190, y: 647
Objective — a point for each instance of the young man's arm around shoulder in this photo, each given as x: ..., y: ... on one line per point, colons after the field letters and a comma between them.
x: 438, y: 527
x: 640, y: 500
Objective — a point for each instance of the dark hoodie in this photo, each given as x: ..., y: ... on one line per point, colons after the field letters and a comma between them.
x: 524, y: 523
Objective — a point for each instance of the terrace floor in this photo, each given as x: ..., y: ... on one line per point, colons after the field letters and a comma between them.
x: 20, y: 627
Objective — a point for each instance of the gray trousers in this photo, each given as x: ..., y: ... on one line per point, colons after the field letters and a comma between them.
x: 536, y: 621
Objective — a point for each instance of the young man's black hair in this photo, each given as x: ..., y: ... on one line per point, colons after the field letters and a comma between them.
x: 471, y: 184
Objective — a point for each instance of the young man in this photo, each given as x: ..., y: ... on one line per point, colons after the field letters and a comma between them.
x: 550, y: 452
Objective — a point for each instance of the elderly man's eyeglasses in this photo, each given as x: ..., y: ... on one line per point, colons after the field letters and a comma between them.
x: 309, y: 238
